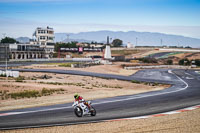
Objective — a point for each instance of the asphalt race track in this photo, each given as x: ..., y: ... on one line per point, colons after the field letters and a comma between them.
x: 184, y: 92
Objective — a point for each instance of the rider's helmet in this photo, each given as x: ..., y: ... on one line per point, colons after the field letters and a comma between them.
x: 76, y: 96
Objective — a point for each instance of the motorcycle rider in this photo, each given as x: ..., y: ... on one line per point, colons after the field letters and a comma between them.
x: 80, y: 100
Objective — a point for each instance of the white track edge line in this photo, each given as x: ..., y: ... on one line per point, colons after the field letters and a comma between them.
x: 126, y: 99
x: 130, y: 118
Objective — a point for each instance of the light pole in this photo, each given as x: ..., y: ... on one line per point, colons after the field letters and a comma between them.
x: 68, y: 38
x: 6, y: 55
x: 6, y: 68
x: 185, y: 63
x: 6, y: 59
x: 136, y: 42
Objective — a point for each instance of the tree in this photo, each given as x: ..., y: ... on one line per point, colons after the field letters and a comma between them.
x: 169, y: 62
x: 188, y: 47
x: 65, y: 45
x: 185, y: 62
x: 197, y: 62
x: 148, y: 60
x: 117, y: 43
x: 8, y: 40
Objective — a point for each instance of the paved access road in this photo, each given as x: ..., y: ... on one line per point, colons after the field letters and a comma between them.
x: 185, y: 92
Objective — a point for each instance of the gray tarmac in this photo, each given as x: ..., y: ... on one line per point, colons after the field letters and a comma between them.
x: 184, y: 92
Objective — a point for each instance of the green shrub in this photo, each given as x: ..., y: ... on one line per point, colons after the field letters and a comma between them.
x: 169, y: 62
x: 197, y: 62
x: 67, y: 64
x: 46, y: 92
x: 20, y: 79
x: 29, y: 93
x: 135, y: 81
x: 148, y: 60
x: 88, y: 88
x: 24, y: 94
x: 155, y: 84
x: 185, y: 62
x: 61, y: 89
x: 3, y: 75
x: 118, y: 87
x: 124, y: 52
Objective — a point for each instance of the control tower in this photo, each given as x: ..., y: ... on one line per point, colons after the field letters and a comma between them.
x: 107, y: 54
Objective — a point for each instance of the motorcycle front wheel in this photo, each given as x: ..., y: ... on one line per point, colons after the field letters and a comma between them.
x: 78, y: 111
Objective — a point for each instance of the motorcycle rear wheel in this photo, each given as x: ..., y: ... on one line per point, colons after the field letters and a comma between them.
x: 93, y: 111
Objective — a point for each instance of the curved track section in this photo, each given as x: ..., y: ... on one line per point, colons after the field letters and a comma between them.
x: 184, y: 92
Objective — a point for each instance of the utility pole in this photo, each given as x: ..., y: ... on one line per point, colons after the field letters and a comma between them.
x: 68, y: 37
x: 4, y: 35
x: 136, y: 42
x: 161, y: 42
x: 6, y: 68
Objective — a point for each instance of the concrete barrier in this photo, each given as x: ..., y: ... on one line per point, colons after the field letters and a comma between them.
x: 53, y: 59
x: 160, y: 66
x: 181, y: 50
x: 9, y: 73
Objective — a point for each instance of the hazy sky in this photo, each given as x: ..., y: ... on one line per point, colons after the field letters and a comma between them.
x: 21, y: 17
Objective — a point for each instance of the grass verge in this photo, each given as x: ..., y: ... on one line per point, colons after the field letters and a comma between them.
x: 124, y: 52
x: 146, y: 83
x: 68, y: 64
x: 29, y: 93
x: 57, y: 83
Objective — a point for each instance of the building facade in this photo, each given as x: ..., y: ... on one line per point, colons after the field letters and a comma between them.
x: 26, y: 51
x: 130, y: 45
x: 44, y: 37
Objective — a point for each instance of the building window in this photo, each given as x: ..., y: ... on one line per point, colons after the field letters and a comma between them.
x: 42, y: 37
x: 41, y: 31
x: 50, y: 32
x: 50, y: 38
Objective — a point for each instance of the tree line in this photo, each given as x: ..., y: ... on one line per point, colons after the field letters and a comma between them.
x: 8, y: 40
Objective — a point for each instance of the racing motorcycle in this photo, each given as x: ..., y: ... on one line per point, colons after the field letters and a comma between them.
x: 81, y: 110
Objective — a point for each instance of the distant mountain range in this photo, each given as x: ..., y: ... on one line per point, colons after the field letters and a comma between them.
x: 143, y: 38
x: 23, y: 39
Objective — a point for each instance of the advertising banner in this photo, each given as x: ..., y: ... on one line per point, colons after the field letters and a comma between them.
x: 81, y: 49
